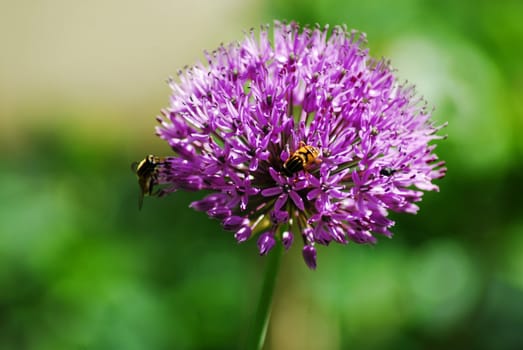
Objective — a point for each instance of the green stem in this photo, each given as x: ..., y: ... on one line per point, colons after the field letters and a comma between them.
x: 263, y: 312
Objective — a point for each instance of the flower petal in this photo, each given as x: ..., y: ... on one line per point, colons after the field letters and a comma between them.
x: 234, y: 223
x: 313, y: 193
x: 286, y: 239
x: 266, y: 242
x: 297, y: 200
x: 309, y: 255
x: 279, y: 217
x: 276, y: 176
x: 280, y: 202
x: 243, y: 234
x: 271, y: 191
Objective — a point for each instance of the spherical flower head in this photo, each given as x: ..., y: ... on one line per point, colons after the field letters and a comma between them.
x: 302, y: 136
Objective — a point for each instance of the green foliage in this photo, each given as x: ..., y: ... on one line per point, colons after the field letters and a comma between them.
x: 82, y: 268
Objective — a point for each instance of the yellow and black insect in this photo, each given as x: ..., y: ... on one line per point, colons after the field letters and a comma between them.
x: 147, y: 172
x: 301, y: 159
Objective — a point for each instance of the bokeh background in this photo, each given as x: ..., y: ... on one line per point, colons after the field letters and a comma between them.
x: 82, y: 268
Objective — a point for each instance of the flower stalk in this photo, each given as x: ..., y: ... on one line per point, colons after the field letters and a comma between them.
x: 263, y: 311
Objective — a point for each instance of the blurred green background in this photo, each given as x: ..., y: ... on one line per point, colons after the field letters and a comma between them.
x: 81, y: 268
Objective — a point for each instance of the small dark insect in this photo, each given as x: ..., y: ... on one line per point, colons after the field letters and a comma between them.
x: 302, y: 158
x: 387, y: 171
x: 146, y: 171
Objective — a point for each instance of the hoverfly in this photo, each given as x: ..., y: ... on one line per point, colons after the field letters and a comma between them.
x: 147, y: 171
x: 302, y: 158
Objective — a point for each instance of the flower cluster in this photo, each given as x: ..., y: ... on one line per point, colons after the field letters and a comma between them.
x: 234, y: 122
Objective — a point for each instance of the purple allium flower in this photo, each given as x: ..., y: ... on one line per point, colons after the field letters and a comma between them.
x: 236, y: 121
